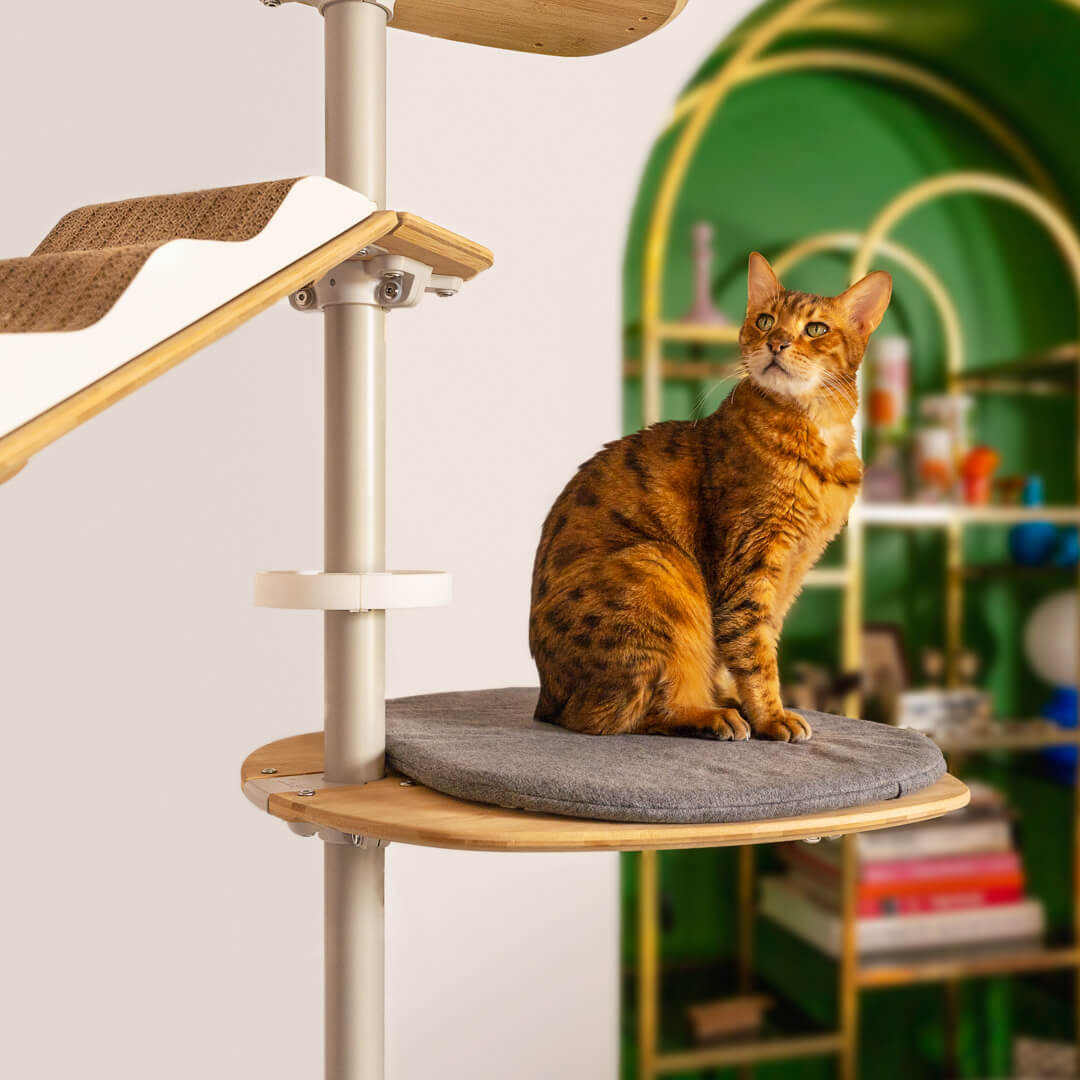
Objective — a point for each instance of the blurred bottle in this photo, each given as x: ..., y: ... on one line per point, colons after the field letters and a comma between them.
x: 1034, y: 542
x: 890, y: 387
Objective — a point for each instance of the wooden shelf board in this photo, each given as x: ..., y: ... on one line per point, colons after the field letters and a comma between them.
x: 1026, y: 959
x: 1050, y: 372
x: 700, y: 333
x: 445, y: 252
x: 555, y: 27
x: 686, y: 371
x: 939, y: 515
x: 387, y: 810
x: 827, y: 577
x: 1041, y: 736
x: 749, y: 1051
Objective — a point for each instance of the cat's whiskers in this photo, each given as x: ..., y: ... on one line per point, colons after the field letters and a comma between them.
x: 839, y: 390
x: 698, y: 411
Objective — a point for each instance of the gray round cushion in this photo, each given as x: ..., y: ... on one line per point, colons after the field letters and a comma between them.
x: 484, y: 745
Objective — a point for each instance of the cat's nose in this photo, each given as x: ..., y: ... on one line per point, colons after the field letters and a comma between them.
x: 779, y: 346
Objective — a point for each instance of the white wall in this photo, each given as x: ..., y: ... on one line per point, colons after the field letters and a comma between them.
x: 151, y: 924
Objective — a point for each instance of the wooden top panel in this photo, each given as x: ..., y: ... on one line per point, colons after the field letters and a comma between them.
x: 445, y: 252
x: 555, y: 27
x: 415, y: 814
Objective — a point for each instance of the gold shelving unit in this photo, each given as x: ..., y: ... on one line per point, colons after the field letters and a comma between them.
x: 756, y: 54
x: 1053, y: 372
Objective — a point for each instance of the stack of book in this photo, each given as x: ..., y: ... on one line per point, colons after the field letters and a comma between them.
x: 954, y: 882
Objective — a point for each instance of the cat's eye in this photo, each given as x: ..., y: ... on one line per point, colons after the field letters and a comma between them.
x: 816, y: 329
x: 763, y: 322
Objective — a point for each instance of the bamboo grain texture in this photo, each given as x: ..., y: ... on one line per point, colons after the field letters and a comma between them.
x: 550, y: 27
x: 387, y: 810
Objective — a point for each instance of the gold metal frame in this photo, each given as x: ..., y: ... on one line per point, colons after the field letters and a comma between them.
x: 697, y: 110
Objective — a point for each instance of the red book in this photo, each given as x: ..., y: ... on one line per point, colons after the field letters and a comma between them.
x: 896, y: 871
x: 946, y: 901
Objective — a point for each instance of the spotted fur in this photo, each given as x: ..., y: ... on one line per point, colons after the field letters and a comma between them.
x: 668, y: 563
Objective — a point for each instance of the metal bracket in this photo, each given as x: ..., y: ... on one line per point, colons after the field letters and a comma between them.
x: 386, y: 281
x: 258, y: 792
x: 386, y: 5
x: 332, y: 836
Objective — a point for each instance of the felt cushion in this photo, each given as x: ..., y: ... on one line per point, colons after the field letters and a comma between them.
x: 485, y: 746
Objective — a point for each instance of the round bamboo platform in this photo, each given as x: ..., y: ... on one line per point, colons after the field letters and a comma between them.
x: 394, y: 809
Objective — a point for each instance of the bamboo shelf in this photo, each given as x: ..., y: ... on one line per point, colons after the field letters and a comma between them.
x: 555, y: 27
x: 395, y: 810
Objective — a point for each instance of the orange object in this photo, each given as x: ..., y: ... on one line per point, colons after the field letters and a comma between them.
x: 977, y: 470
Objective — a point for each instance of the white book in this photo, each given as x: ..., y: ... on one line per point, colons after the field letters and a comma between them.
x: 940, y: 838
x: 786, y: 904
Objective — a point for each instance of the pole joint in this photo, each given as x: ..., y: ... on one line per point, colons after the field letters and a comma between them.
x: 320, y: 5
x: 384, y: 281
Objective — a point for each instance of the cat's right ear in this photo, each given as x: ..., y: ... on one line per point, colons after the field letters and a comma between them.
x: 762, y: 285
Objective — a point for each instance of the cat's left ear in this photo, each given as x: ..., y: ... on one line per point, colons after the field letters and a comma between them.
x: 762, y: 285
x: 866, y: 301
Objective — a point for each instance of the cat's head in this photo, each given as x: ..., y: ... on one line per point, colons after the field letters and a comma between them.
x: 806, y: 347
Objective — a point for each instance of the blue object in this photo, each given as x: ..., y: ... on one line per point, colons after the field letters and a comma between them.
x: 1068, y: 552
x: 1034, y: 542
x: 1061, y: 708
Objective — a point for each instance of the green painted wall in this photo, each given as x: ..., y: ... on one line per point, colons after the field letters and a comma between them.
x: 808, y: 152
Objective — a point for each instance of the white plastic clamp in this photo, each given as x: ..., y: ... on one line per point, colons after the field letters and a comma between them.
x: 386, y: 5
x: 386, y: 281
x: 309, y: 590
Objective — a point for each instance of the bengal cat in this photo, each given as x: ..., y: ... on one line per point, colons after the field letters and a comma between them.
x: 667, y: 565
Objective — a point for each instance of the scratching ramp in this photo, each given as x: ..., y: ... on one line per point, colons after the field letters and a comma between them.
x: 118, y: 293
x: 78, y: 272
x: 484, y: 746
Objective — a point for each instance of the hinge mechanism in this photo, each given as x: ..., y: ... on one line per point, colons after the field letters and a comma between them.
x: 386, y: 281
x: 258, y: 791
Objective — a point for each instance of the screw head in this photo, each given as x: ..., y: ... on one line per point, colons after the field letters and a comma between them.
x: 303, y: 298
x: 268, y: 772
x: 305, y: 791
x: 390, y: 291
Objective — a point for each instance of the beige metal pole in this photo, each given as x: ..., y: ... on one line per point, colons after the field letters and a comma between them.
x: 354, y: 540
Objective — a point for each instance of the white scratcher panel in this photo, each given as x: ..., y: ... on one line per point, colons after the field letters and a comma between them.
x: 119, y: 293
x: 180, y: 282
x: 374, y: 591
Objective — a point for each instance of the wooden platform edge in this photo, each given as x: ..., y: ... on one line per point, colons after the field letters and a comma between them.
x: 551, y: 28
x: 387, y: 810
x: 399, y: 233
x: 446, y: 252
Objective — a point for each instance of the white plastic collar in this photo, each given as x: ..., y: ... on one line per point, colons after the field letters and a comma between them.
x: 386, y: 5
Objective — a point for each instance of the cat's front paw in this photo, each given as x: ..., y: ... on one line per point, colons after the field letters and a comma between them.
x: 788, y: 726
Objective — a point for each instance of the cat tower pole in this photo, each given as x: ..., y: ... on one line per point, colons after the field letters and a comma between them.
x: 354, y: 541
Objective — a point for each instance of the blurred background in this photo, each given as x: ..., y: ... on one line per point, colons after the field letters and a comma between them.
x: 151, y: 924
x: 935, y: 139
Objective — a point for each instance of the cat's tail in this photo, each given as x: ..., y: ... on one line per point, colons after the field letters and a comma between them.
x: 548, y: 708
